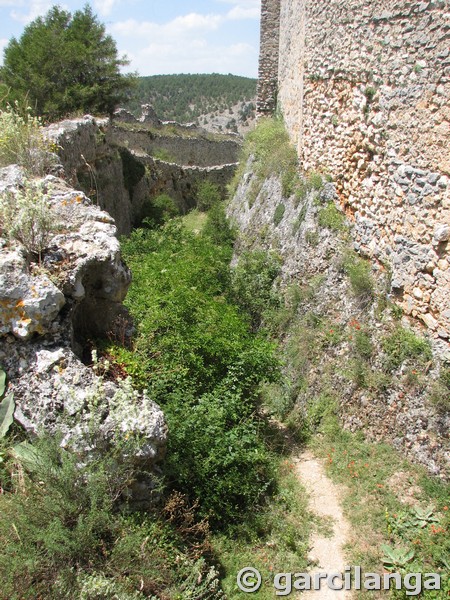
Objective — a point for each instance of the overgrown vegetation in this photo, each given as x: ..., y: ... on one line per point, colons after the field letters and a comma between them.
x: 273, y: 154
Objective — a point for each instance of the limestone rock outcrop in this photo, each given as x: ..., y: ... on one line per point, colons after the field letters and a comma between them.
x: 48, y: 312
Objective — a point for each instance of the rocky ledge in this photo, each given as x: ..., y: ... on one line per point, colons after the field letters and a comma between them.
x: 49, y: 308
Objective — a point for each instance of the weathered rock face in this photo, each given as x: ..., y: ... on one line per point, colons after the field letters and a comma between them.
x: 313, y: 257
x: 48, y: 311
x: 364, y: 89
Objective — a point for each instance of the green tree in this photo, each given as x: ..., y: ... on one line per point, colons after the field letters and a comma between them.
x: 65, y: 63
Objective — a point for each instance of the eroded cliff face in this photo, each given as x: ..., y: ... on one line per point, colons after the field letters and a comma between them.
x: 331, y: 317
x: 364, y: 88
x: 50, y: 309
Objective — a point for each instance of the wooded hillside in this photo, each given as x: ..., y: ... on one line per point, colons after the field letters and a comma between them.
x: 188, y: 98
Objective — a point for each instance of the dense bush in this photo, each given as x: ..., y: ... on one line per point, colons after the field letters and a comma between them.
x: 159, y: 210
x: 63, y: 536
x: 253, y: 284
x: 217, y: 454
x: 208, y: 195
x: 197, y: 356
x: 218, y: 228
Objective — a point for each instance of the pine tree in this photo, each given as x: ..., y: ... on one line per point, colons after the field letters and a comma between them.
x: 64, y: 64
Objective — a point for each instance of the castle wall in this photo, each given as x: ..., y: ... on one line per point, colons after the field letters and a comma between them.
x: 364, y: 88
x: 268, y: 57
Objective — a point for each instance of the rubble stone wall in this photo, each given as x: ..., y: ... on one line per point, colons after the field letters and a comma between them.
x: 364, y: 88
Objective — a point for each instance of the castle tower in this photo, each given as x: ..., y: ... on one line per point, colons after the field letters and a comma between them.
x: 268, y: 57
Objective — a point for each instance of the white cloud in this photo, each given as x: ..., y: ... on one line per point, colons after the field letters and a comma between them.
x: 242, y: 12
x: 104, y: 7
x: 36, y: 8
x: 180, y: 26
x: 243, y: 9
x: 191, y: 43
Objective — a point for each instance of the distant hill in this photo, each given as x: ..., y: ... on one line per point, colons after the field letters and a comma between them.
x: 217, y: 102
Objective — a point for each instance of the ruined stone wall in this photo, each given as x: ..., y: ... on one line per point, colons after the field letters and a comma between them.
x: 113, y: 166
x: 364, y: 88
x: 196, y: 149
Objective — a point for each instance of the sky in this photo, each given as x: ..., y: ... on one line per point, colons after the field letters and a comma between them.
x: 162, y: 36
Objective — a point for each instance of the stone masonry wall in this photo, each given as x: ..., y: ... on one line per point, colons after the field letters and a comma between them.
x: 364, y: 88
x: 268, y: 57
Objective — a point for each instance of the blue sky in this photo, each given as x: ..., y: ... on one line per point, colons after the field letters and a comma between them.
x: 163, y: 36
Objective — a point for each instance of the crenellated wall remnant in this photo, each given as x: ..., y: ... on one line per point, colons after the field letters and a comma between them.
x: 364, y: 88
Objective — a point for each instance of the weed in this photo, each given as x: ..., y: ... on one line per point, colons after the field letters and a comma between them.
x: 279, y: 214
x: 299, y: 220
x: 403, y: 344
x: 370, y: 93
x: 312, y: 237
x: 359, y: 273
x: 22, y: 142
x: 26, y: 216
x: 331, y: 218
x: 164, y: 155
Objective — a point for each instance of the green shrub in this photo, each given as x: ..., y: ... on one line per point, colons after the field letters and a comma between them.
x: 279, y: 214
x: 252, y: 284
x: 161, y: 209
x: 208, y: 195
x: 312, y: 237
x: 403, y: 344
x: 22, y: 142
x: 331, y: 218
x: 359, y: 273
x: 217, y: 454
x: 362, y: 344
x: 26, y: 216
x: 315, y: 181
x: 218, y: 227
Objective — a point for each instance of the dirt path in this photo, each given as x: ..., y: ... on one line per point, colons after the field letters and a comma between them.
x: 326, y: 552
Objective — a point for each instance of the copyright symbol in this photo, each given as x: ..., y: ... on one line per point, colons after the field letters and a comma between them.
x: 249, y: 580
